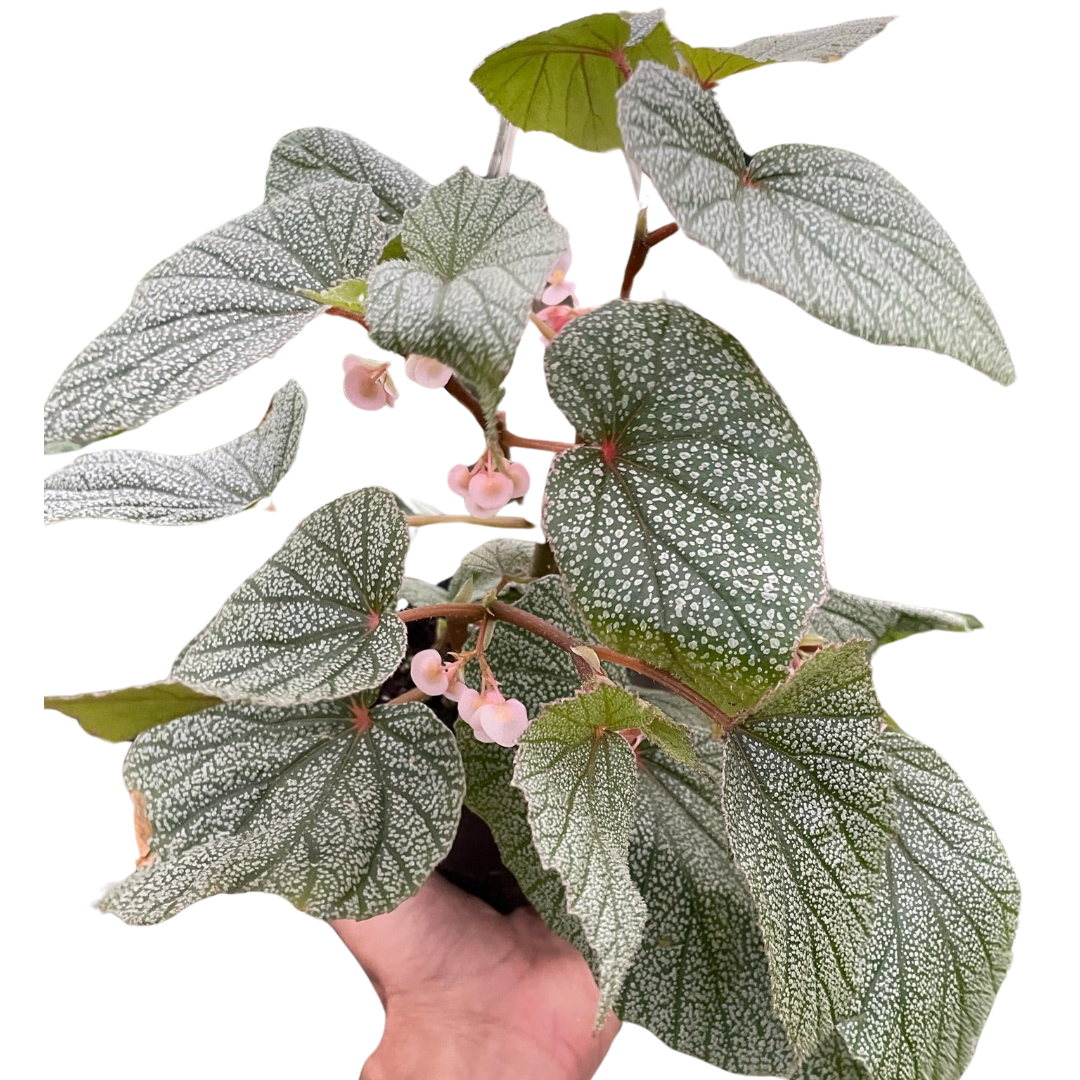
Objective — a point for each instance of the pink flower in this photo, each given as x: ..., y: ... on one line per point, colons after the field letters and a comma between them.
x: 427, y: 371
x: 470, y: 706
x: 368, y: 384
x: 558, y: 316
x: 428, y: 673
x: 559, y: 289
x: 485, y: 488
x: 503, y: 722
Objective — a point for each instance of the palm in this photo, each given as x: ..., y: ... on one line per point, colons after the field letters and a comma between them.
x: 495, y: 987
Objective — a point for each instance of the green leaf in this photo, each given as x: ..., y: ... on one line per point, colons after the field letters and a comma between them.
x: 314, y: 155
x: 529, y: 668
x: 831, y: 1061
x: 490, y: 795
x: 579, y: 779
x: 700, y: 981
x: 120, y: 715
x: 687, y: 528
x: 421, y: 593
x: 172, y: 489
x: 316, y: 621
x: 230, y: 298
x: 844, y: 616
x: 806, y: 796
x: 342, y: 812
x: 348, y: 295
x: 829, y: 230
x: 479, y: 252
x: 822, y: 46
x: 484, y: 567
x: 943, y: 929
x: 564, y: 80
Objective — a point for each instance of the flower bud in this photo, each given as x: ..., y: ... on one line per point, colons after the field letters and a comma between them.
x: 428, y: 673
x: 503, y: 722
x: 427, y: 371
x: 458, y: 478
x: 491, y: 490
x: 520, y: 475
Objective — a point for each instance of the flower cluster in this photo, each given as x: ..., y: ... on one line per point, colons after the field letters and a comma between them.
x: 492, y: 717
x: 488, y: 486
x: 558, y: 313
x: 368, y: 384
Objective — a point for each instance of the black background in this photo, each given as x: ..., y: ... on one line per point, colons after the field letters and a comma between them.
x: 165, y: 134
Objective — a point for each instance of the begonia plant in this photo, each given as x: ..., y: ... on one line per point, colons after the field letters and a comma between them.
x: 663, y: 714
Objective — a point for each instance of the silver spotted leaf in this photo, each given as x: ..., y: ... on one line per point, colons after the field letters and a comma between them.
x: 120, y: 715
x: 230, y: 298
x: 418, y: 593
x: 178, y: 489
x: 700, y: 980
x: 844, y: 616
x: 313, y: 155
x: 829, y: 230
x: 642, y: 24
x: 943, y: 930
x: 687, y: 526
x: 821, y: 45
x: 479, y: 253
x: 579, y: 780
x: 806, y: 798
x: 529, y: 668
x: 316, y: 621
x: 494, y: 561
x: 489, y: 794
x: 342, y: 811
x: 832, y: 1060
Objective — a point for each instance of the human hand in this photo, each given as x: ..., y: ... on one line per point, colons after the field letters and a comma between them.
x: 472, y: 993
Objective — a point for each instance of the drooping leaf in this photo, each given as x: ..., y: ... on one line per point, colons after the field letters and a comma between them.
x: 341, y: 811
x: 484, y: 567
x: 489, y: 794
x: 479, y: 252
x: 943, y: 929
x: 230, y: 298
x: 120, y: 715
x: 687, y: 528
x: 564, y: 80
x: 700, y: 980
x: 313, y: 155
x: 806, y: 797
x: 178, y: 489
x: 534, y: 670
x: 828, y: 229
x: 579, y: 779
x: 844, y: 616
x: 822, y: 45
x: 316, y: 621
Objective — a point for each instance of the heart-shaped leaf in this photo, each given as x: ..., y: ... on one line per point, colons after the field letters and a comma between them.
x: 316, y: 621
x: 844, y: 616
x: 829, y: 230
x: 483, y: 568
x: 479, y: 253
x: 687, y: 527
x: 342, y: 811
x: 230, y: 298
x: 120, y: 715
x: 823, y: 45
x: 579, y: 779
x: 529, y: 668
x: 806, y: 797
x: 564, y: 80
x: 832, y: 1060
x: 313, y: 155
x: 943, y: 930
x: 419, y: 593
x: 700, y: 980
x: 173, y: 489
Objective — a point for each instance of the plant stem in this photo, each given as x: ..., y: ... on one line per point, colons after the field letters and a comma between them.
x: 466, y: 519
x: 414, y: 694
x: 639, y: 250
x: 542, y: 628
x: 510, y: 439
x: 461, y: 393
x: 345, y: 314
x: 504, y: 150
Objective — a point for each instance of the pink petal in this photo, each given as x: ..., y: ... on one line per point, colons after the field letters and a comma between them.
x: 504, y: 723
x: 363, y: 391
x: 428, y: 673
x: 478, y: 511
x: 458, y: 478
x: 562, y: 264
x: 468, y: 703
x: 427, y: 371
x: 520, y: 475
x: 558, y: 292
x: 491, y: 490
